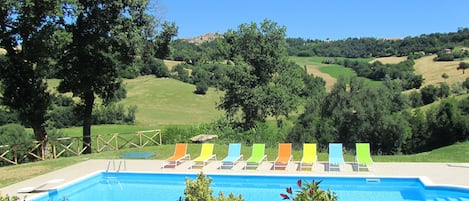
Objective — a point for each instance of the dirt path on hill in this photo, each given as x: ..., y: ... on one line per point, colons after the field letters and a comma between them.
x: 330, y: 81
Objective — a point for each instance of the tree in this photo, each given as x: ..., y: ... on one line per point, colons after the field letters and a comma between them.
x: 444, y: 90
x: 162, y: 50
x: 465, y: 84
x: 28, y: 30
x: 429, y: 94
x: 200, y: 77
x: 105, y: 34
x: 257, y: 85
x: 463, y: 66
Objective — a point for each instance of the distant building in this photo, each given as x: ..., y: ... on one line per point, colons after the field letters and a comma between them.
x: 392, y: 39
x: 208, y: 37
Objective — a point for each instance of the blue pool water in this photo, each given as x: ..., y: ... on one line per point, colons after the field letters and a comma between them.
x: 130, y: 186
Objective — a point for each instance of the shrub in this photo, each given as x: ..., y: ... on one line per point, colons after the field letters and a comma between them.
x: 154, y: 66
x: 8, y: 117
x: 8, y: 198
x: 15, y: 136
x: 114, y: 114
x: 63, y: 117
x: 429, y: 94
x: 199, y: 190
x: 309, y: 191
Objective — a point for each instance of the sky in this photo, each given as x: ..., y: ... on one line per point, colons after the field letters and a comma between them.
x: 318, y: 19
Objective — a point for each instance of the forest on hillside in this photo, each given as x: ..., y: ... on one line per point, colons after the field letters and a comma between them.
x: 92, y: 54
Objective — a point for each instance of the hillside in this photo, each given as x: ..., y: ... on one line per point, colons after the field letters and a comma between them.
x: 163, y: 101
x: 432, y: 71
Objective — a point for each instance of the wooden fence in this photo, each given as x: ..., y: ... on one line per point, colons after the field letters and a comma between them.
x: 73, y: 146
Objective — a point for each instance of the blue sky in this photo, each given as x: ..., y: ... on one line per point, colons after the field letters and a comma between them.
x: 320, y: 19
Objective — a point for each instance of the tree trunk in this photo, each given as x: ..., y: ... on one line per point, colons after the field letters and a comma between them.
x: 40, y: 134
x: 87, y: 118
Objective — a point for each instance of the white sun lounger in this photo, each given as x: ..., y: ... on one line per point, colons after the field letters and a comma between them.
x: 30, y: 189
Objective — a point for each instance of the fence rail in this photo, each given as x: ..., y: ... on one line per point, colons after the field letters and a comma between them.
x: 73, y: 146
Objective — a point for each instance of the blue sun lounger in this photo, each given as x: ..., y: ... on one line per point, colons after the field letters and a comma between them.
x: 336, y: 157
x: 234, y: 156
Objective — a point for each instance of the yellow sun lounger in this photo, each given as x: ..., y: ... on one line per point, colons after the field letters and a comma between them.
x: 310, y: 157
x: 206, y: 154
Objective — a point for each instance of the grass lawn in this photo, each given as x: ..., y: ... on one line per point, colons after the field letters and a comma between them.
x: 162, y: 101
x: 13, y: 174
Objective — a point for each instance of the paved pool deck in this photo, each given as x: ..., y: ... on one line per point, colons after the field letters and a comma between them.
x: 454, y: 174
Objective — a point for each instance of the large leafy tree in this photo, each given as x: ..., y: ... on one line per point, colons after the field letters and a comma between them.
x: 27, y: 31
x: 105, y: 33
x: 263, y: 83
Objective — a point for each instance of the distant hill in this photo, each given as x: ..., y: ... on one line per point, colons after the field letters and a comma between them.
x: 208, y: 37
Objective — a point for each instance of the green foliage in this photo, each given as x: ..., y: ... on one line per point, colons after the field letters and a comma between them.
x: 114, y: 114
x: 119, y: 30
x: 263, y: 83
x: 403, y: 71
x: 17, y: 139
x: 155, y: 67
x: 181, y: 72
x: 199, y: 190
x: 309, y: 192
x: 11, y: 134
x: 448, y: 124
x: 8, y: 198
x: 169, y: 30
x: 463, y: 66
x: 200, y: 77
x: 8, y: 117
x: 353, y: 113
x: 443, y: 56
x: 28, y: 31
x: 415, y: 99
x: 429, y: 94
x: 66, y: 113
x: 413, y: 47
x: 465, y: 84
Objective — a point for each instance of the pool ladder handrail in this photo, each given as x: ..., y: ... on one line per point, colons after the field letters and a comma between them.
x: 113, y: 162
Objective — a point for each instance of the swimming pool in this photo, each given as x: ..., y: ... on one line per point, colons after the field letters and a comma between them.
x: 127, y: 186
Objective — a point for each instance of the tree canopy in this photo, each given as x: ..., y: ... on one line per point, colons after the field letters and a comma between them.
x: 263, y: 83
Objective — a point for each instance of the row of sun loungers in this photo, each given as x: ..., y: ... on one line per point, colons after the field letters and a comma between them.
x: 363, y: 158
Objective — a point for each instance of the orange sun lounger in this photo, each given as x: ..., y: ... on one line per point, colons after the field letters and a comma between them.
x: 284, y: 156
x: 180, y: 153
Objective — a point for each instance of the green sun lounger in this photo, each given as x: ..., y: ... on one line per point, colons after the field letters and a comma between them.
x: 257, y: 156
x: 363, y: 156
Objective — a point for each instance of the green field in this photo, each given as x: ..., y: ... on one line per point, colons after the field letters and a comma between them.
x: 337, y: 71
x: 334, y: 71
